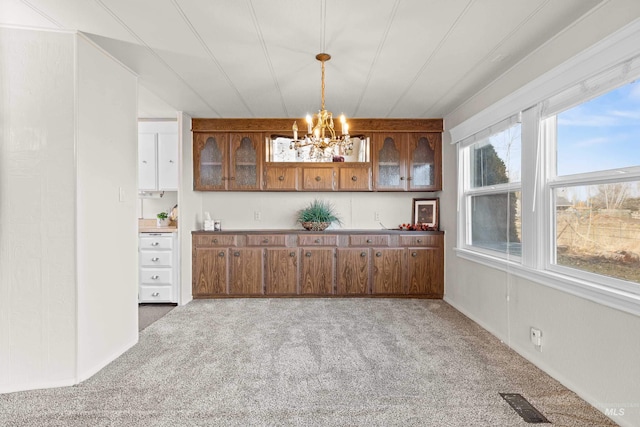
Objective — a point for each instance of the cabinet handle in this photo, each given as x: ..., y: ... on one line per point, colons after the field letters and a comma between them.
x: 144, y: 161
x: 281, y: 178
x: 414, y: 254
x: 363, y: 254
x: 265, y: 241
x: 236, y: 254
x: 155, y: 294
x: 369, y: 240
x: 409, y: 179
x: 292, y: 254
x: 155, y: 277
x: 214, y: 241
x: 402, y: 178
x: 318, y: 178
x: 221, y: 254
x: 170, y: 161
x: 317, y: 240
x: 354, y: 178
x: 419, y: 240
x: 308, y: 254
x: 378, y: 254
x: 155, y: 243
x: 154, y: 259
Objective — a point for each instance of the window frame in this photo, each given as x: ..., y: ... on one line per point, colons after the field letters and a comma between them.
x: 539, y: 103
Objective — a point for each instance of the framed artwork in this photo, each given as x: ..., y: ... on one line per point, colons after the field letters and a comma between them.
x: 425, y: 211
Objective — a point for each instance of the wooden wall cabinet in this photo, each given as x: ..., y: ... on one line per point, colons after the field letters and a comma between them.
x: 227, y: 161
x: 230, y: 154
x: 407, y: 161
x: 383, y: 263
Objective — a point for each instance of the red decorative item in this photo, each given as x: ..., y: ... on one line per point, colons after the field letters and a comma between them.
x: 416, y: 227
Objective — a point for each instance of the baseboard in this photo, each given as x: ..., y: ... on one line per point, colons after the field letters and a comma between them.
x: 87, y: 373
x: 67, y: 382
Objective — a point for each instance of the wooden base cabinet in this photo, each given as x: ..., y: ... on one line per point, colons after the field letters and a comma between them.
x: 360, y: 263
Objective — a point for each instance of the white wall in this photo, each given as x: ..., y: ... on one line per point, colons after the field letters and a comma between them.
x: 278, y: 209
x: 68, y: 247
x: 106, y: 201
x: 189, y: 206
x: 37, y: 210
x: 589, y: 347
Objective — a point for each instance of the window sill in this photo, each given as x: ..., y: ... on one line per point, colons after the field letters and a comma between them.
x: 611, y: 297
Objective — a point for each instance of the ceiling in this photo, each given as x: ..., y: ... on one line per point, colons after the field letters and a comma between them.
x: 256, y: 58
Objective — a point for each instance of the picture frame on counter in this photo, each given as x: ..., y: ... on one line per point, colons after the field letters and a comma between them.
x: 426, y: 211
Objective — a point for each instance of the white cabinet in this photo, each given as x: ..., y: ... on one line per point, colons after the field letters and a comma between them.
x: 158, y: 156
x: 158, y: 261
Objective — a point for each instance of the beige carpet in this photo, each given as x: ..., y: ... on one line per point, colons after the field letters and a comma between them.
x: 306, y: 362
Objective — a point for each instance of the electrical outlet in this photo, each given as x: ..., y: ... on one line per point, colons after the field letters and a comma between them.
x: 257, y: 216
x: 376, y: 216
x: 536, y: 337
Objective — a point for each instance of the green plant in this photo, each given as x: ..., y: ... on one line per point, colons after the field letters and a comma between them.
x: 318, y: 211
x: 163, y: 215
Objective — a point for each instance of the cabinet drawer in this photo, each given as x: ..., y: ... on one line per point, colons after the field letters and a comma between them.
x: 156, y: 276
x: 353, y: 179
x: 155, y: 293
x: 317, y: 179
x: 281, y: 178
x: 215, y: 240
x: 431, y: 241
x: 357, y: 240
x: 266, y: 240
x: 156, y: 242
x: 155, y: 259
x: 317, y: 240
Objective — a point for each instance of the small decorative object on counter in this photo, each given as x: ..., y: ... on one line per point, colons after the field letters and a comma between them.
x: 318, y: 215
x: 163, y: 219
x: 208, y: 222
x: 417, y: 227
x: 217, y: 225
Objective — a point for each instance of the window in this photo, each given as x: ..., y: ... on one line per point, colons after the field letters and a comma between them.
x: 492, y: 191
x: 568, y: 214
x: 596, y: 190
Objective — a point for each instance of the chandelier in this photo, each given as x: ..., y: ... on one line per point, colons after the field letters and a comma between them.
x: 321, y: 138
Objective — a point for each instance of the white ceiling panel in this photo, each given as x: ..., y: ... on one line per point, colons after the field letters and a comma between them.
x: 256, y: 58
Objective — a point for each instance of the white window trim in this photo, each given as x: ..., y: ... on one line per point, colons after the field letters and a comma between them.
x: 537, y: 190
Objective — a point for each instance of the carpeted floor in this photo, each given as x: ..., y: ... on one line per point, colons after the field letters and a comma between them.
x: 306, y: 362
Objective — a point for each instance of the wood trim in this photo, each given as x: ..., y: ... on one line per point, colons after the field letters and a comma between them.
x: 280, y: 125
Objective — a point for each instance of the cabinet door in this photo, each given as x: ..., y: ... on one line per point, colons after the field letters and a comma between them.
x: 318, y: 178
x: 209, y: 161
x: 425, y: 272
x: 246, y: 272
x: 317, y: 271
x: 246, y: 161
x: 354, y: 178
x: 147, y: 172
x: 389, y: 163
x: 209, y: 272
x: 281, y: 178
x: 353, y: 272
x: 425, y: 158
x: 168, y: 161
x: 388, y: 267
x: 282, y: 271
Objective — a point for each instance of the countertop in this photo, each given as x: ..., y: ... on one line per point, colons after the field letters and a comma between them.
x: 150, y: 226
x: 327, y: 231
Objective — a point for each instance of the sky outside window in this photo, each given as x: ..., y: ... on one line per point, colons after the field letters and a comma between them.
x: 601, y: 134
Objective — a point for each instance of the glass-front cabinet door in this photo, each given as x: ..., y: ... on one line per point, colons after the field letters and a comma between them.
x: 209, y: 161
x: 389, y: 162
x: 245, y: 164
x: 424, y: 159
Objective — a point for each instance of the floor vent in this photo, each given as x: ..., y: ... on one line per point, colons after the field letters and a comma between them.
x: 524, y: 408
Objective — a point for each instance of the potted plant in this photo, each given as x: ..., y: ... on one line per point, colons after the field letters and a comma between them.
x: 163, y: 219
x: 317, y: 215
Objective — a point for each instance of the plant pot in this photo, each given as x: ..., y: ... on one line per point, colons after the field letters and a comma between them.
x: 315, y: 226
x: 163, y: 222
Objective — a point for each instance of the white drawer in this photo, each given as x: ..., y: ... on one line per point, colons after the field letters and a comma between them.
x: 155, y: 294
x: 156, y: 242
x: 156, y: 276
x: 155, y: 259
